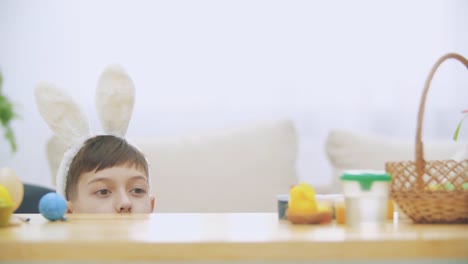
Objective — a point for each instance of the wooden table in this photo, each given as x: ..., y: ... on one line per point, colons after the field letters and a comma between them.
x: 237, y: 237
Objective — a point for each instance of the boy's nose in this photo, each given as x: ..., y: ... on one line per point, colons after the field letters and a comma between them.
x: 125, y: 209
x: 123, y: 204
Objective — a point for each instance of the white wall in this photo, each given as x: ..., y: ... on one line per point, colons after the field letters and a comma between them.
x: 202, y: 65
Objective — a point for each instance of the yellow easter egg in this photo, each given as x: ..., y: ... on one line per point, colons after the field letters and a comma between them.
x: 6, y: 206
x: 5, y: 198
x: 13, y: 184
x: 433, y: 187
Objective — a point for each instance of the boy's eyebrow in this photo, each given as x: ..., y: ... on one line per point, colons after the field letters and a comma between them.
x: 98, y: 179
x: 136, y: 177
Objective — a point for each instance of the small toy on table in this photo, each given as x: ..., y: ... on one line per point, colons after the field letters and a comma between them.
x: 6, y: 206
x: 11, y: 196
x: 304, y: 209
x: 12, y: 182
x: 53, y: 207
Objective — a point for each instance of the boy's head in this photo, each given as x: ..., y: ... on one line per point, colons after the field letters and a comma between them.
x: 105, y: 174
x: 108, y: 175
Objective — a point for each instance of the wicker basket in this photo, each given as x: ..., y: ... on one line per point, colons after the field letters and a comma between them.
x: 419, y: 187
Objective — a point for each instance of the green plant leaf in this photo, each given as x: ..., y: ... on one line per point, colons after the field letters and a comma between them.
x: 10, y: 136
x: 6, y: 111
x: 7, y: 114
x: 457, y: 130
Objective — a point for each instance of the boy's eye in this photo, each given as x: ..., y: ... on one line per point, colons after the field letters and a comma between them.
x: 103, y: 192
x: 138, y: 191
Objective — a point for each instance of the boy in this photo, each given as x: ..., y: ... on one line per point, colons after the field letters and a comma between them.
x: 108, y: 175
x: 105, y: 174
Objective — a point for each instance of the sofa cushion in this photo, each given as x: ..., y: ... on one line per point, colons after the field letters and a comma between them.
x: 350, y: 150
x: 229, y: 170
x: 234, y: 170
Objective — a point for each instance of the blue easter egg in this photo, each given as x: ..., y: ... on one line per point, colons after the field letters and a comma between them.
x: 52, y: 206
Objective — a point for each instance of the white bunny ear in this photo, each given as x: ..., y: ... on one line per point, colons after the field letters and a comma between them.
x: 61, y: 113
x: 115, y: 96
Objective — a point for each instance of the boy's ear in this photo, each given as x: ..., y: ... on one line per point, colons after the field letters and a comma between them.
x: 152, y: 200
x: 69, y: 207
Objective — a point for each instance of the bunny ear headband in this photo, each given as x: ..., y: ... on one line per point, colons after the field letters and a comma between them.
x: 115, y: 95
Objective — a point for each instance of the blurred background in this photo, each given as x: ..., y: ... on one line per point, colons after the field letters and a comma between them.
x: 207, y: 65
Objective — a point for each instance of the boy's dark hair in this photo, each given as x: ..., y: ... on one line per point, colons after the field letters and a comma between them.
x: 99, y: 153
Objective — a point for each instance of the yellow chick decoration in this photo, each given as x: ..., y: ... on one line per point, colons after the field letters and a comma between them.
x: 303, y: 207
x: 6, y: 206
x: 302, y: 199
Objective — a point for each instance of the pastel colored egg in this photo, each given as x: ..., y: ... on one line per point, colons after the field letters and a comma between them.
x: 52, y: 206
x: 6, y: 206
x: 14, y: 185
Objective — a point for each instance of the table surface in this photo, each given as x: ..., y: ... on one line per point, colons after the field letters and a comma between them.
x: 231, y: 236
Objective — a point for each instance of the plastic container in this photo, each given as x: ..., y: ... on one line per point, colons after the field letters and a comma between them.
x: 366, y: 198
x: 283, y: 200
x: 340, y: 211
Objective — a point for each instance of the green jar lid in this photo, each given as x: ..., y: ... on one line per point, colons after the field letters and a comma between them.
x: 366, y: 178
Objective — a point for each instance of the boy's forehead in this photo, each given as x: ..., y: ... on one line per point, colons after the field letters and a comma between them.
x: 125, y: 166
x: 117, y: 172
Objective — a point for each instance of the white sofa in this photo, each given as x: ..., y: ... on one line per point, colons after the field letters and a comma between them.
x: 347, y: 150
x: 228, y: 170
x: 244, y: 169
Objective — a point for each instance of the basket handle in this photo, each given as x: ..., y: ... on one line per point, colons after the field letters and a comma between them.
x: 420, y: 162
